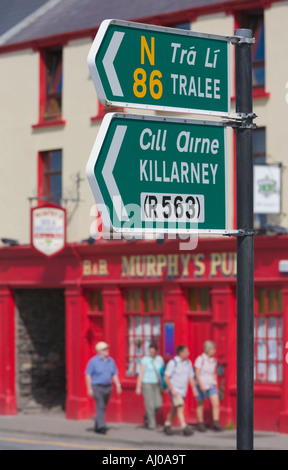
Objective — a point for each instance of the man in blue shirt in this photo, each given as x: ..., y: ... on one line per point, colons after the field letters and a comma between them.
x: 100, y: 372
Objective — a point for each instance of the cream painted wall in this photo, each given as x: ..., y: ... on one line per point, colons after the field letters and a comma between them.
x: 223, y: 25
x: 19, y: 110
x: 80, y: 104
x: 273, y: 111
x: 76, y: 138
x: 20, y: 144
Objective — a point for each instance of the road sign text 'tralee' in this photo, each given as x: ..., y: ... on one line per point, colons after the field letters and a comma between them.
x: 152, y: 67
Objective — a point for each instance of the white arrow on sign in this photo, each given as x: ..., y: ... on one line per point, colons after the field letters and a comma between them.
x: 107, y: 172
x: 108, y: 63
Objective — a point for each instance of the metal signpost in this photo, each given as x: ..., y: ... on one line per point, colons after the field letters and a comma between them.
x: 155, y: 174
x: 167, y: 69
x: 245, y: 243
x: 160, y: 174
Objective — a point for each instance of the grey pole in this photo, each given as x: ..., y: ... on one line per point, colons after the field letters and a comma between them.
x: 245, y: 243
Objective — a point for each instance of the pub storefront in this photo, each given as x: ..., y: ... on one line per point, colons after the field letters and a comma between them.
x: 129, y: 293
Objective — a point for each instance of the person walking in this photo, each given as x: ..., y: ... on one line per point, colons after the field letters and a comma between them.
x: 178, y: 374
x: 101, y: 371
x: 206, y: 383
x: 149, y: 382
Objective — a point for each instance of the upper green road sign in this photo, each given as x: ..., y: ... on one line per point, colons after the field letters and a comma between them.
x: 156, y: 174
x: 145, y: 66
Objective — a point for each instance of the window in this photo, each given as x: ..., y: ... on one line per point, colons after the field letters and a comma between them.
x: 255, y: 20
x: 259, y: 146
x: 94, y: 332
x: 50, y: 176
x: 102, y: 110
x: 186, y: 26
x: 51, y: 105
x: 199, y: 300
x: 143, y: 308
x: 259, y: 157
x: 268, y: 336
x: 95, y: 301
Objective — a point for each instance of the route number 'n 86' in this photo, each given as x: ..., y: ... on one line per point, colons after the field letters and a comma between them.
x: 161, y: 207
x: 140, y: 76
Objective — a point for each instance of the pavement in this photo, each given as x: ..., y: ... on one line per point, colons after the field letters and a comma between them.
x: 130, y: 436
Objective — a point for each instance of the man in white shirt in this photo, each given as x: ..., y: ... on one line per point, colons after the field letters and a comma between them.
x: 178, y: 374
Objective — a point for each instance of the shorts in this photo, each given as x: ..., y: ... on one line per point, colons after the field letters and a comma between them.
x: 177, y: 401
x: 201, y: 396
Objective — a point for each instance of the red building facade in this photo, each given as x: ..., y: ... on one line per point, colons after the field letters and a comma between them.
x: 128, y: 293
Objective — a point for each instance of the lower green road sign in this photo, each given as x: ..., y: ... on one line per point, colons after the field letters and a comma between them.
x: 158, y: 174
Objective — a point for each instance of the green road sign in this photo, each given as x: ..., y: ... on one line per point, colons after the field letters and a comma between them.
x: 156, y: 174
x: 147, y: 66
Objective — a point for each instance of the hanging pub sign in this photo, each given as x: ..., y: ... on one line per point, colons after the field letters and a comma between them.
x: 48, y: 229
x: 267, y: 189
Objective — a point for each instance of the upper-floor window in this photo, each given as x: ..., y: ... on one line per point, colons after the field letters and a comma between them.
x: 51, y: 99
x: 199, y: 300
x: 259, y: 158
x: 182, y: 26
x: 50, y: 176
x: 102, y: 110
x: 259, y: 146
x: 255, y: 20
x: 95, y: 301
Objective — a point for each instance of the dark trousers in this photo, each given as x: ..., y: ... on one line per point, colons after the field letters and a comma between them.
x: 101, y: 394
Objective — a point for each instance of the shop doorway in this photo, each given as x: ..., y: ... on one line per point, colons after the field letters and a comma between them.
x: 40, y: 350
x: 200, y: 329
x: 200, y: 315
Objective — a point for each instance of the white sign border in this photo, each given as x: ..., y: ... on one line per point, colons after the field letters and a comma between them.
x: 100, y: 90
x: 98, y: 195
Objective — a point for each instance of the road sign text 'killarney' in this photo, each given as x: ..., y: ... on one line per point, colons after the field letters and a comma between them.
x: 159, y: 174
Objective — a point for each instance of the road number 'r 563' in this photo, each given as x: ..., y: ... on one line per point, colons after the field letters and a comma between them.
x: 172, y: 207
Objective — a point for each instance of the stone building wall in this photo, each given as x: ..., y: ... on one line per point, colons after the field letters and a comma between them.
x: 40, y: 350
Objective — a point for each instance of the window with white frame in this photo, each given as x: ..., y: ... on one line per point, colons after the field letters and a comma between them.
x: 144, y: 309
x: 268, y: 357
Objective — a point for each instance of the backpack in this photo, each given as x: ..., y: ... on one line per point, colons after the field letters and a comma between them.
x: 162, y: 371
x: 163, y: 383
